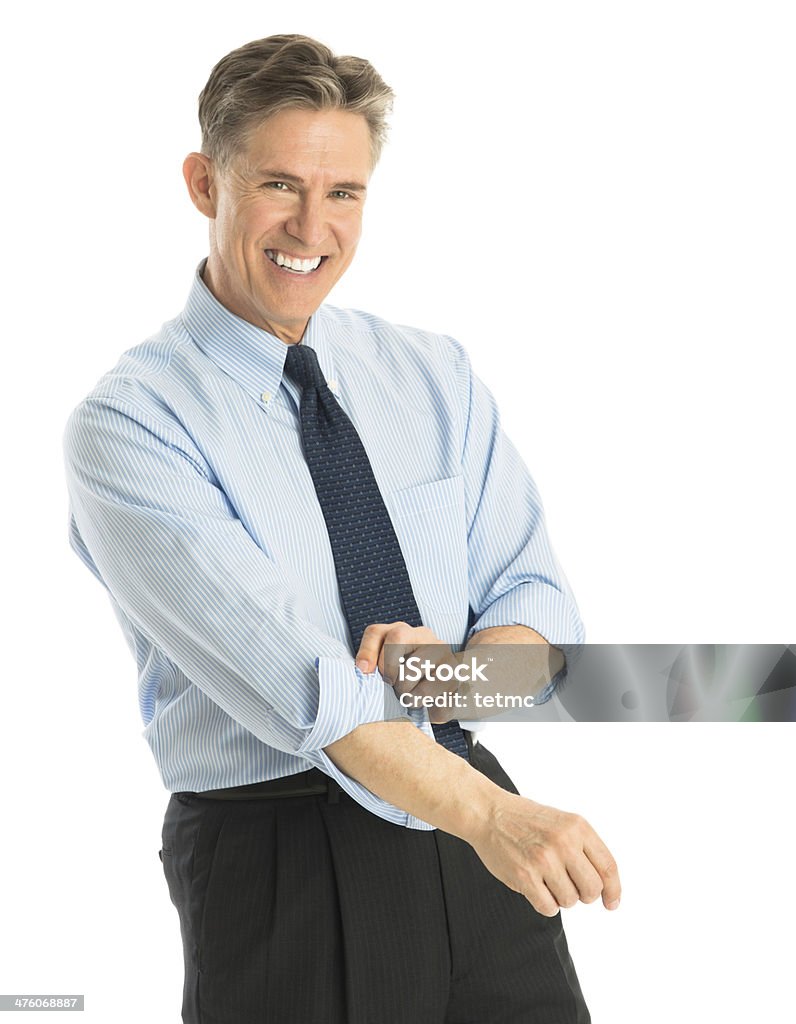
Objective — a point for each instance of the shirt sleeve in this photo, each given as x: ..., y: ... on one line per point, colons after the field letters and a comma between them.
x: 165, y: 541
x: 513, y: 575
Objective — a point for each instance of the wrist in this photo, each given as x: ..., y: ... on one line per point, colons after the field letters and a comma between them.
x: 474, y: 802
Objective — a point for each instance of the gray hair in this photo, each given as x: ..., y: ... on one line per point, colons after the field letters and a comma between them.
x: 285, y: 72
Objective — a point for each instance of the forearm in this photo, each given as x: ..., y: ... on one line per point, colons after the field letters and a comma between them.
x: 403, y: 766
x: 553, y: 858
x: 542, y: 663
x: 506, y: 635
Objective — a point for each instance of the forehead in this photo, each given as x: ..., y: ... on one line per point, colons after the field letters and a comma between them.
x: 311, y: 143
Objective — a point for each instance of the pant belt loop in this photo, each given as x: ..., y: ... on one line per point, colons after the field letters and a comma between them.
x: 333, y: 795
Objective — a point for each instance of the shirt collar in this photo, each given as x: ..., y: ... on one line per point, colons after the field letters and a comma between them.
x: 251, y: 356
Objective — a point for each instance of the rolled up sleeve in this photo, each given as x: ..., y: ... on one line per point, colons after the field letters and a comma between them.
x: 178, y: 562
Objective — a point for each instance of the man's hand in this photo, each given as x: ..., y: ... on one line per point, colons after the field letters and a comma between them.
x: 552, y: 857
x: 413, y: 640
x: 370, y: 655
x: 515, y: 674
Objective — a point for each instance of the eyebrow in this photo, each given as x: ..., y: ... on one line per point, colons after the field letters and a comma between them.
x: 350, y: 186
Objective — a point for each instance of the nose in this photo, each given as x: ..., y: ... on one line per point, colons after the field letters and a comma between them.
x: 307, y: 223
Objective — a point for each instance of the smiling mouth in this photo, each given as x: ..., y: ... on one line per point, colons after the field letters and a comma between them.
x: 292, y: 264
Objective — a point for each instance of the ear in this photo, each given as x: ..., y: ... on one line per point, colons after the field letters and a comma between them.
x: 198, y: 171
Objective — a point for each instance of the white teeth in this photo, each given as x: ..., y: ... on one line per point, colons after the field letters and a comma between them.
x: 297, y: 265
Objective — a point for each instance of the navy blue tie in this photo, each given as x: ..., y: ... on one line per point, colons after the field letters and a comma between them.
x: 371, y: 571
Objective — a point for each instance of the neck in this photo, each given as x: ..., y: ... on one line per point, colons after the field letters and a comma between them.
x: 215, y: 280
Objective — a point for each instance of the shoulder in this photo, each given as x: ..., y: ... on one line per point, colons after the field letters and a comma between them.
x: 156, y: 359
x: 356, y: 329
x: 141, y: 387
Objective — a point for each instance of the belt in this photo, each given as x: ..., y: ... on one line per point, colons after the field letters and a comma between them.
x: 309, y: 783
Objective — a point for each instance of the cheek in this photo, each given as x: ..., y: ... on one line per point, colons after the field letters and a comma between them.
x: 239, y: 227
x: 350, y: 234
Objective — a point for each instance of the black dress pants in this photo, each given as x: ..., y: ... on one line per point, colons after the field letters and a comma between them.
x: 306, y: 910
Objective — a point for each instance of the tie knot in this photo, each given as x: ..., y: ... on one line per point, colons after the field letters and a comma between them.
x: 301, y: 365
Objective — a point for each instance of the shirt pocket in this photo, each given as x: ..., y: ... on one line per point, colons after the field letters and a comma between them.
x: 431, y: 526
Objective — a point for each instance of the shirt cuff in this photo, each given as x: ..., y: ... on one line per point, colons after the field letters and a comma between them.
x: 348, y: 698
x: 549, y: 612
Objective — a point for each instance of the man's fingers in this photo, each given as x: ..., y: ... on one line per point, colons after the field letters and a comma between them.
x: 561, y: 888
x: 424, y: 654
x: 542, y: 900
x: 585, y: 880
x: 371, y: 644
x: 605, y: 866
x: 566, y: 880
x: 380, y: 635
x: 565, y: 874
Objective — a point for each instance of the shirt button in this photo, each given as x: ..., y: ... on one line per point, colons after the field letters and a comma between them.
x: 266, y: 396
x: 332, y: 384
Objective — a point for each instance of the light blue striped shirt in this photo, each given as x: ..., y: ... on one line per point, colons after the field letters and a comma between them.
x: 192, y: 503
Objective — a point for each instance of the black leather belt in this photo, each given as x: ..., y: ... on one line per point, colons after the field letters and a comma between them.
x: 309, y: 783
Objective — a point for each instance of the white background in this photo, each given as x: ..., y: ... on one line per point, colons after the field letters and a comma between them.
x: 597, y: 200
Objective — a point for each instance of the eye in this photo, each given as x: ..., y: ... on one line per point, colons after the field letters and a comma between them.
x: 341, y: 194
x: 277, y: 186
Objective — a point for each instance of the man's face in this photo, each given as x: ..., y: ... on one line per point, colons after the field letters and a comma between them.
x: 296, y: 193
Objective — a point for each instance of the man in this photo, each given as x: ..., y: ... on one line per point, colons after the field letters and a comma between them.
x: 273, y: 491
